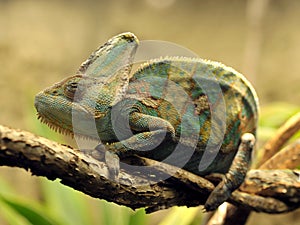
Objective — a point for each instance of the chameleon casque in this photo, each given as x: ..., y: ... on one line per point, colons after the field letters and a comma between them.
x: 193, y: 113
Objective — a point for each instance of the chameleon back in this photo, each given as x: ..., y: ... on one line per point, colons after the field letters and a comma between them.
x: 189, y: 93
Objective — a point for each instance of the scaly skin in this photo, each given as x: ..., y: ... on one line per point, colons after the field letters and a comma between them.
x: 192, y: 113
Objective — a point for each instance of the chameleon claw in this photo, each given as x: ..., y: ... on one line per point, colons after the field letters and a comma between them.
x: 203, y: 210
x: 220, y: 194
x: 113, y: 163
x: 93, y: 153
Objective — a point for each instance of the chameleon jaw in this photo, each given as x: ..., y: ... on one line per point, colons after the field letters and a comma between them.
x: 54, y: 126
x: 64, y: 131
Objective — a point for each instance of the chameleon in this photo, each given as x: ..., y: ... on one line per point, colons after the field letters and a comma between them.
x: 190, y: 112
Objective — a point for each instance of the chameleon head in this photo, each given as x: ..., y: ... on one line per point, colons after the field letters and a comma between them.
x: 81, y: 104
x: 74, y: 104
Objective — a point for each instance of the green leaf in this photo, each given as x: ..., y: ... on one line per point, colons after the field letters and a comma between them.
x: 31, y: 213
x: 67, y: 204
x: 115, y: 214
x: 180, y: 216
x: 16, y: 209
x: 11, y: 216
x: 275, y: 114
x: 138, y: 217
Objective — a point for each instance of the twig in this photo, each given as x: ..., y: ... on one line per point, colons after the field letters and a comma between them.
x: 134, y: 188
x: 282, y: 135
x: 287, y: 158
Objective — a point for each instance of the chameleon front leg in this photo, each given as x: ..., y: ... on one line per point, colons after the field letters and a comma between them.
x: 151, y: 132
x: 235, y: 175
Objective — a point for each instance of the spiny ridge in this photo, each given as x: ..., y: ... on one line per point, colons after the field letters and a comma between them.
x: 55, y: 127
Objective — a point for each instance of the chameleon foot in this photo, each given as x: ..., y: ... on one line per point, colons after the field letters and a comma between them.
x: 235, y: 175
x: 112, y: 160
x: 220, y: 194
x: 113, y: 163
x: 93, y: 153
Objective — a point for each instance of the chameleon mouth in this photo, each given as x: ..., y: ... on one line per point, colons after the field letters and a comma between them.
x: 54, y: 126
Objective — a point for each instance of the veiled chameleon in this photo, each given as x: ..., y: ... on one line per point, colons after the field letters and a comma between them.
x: 189, y: 112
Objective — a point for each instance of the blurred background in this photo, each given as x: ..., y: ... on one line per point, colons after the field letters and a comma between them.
x: 42, y: 42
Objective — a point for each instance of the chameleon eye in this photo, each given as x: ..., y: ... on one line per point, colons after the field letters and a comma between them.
x: 70, y: 89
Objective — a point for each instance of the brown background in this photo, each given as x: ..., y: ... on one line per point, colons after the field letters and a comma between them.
x: 42, y: 42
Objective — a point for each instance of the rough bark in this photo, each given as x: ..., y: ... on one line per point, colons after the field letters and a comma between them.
x: 273, y: 191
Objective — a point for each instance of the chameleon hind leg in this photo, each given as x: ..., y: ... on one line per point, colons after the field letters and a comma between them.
x: 235, y: 175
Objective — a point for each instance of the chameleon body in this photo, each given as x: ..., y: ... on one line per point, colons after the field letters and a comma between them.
x: 166, y: 109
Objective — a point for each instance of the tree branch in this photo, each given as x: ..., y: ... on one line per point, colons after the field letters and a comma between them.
x: 274, y: 191
x: 282, y: 135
